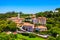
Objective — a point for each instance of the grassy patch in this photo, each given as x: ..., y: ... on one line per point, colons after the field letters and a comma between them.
x: 4, y: 36
x: 27, y: 38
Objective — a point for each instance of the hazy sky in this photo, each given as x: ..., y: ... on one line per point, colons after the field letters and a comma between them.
x: 28, y: 6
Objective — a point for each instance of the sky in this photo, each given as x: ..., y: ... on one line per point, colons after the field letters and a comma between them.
x: 28, y: 6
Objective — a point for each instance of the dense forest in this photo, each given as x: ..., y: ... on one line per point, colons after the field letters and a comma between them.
x: 53, y: 22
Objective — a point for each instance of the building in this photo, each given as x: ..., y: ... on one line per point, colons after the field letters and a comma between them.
x: 42, y: 20
x: 17, y: 20
x: 41, y: 28
x: 34, y: 20
x: 28, y: 27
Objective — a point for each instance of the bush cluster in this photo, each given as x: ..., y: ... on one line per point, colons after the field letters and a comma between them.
x: 30, y: 35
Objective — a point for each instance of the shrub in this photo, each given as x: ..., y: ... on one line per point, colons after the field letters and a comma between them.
x: 44, y: 32
x: 25, y: 34
x: 51, y: 38
x: 32, y: 36
x: 58, y: 38
x: 23, y: 39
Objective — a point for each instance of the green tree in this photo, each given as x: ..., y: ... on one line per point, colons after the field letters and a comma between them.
x: 49, y: 26
x: 58, y: 9
x: 12, y: 26
x: 54, y: 31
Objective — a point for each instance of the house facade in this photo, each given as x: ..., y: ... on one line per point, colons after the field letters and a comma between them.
x: 42, y: 20
x: 42, y: 28
x: 28, y: 27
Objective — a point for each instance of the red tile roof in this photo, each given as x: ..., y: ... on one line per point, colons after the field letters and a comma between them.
x: 42, y: 27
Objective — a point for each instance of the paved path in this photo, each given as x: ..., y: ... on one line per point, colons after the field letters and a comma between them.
x: 44, y: 36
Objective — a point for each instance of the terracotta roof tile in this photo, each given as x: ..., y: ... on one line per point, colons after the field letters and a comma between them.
x: 42, y: 27
x: 27, y: 24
